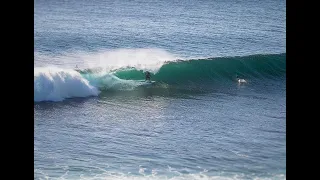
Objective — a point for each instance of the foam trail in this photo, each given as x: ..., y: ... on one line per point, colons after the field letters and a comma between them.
x: 105, y: 81
x: 56, y: 84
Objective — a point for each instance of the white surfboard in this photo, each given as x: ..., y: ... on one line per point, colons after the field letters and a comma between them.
x: 242, y: 81
x: 145, y: 83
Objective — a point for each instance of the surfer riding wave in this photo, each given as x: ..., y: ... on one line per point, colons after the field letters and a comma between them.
x: 148, y: 76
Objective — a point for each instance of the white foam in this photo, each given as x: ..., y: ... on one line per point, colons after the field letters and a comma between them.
x: 146, y: 59
x: 141, y: 59
x: 56, y: 84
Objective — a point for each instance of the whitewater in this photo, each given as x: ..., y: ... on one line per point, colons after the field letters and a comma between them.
x: 56, y: 83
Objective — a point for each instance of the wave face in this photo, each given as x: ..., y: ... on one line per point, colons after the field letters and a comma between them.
x: 214, y: 69
x: 56, y: 84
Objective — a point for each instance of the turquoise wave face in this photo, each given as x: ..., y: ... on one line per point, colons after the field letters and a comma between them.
x: 209, y: 70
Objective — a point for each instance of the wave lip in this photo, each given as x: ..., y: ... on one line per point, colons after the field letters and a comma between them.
x: 55, y: 84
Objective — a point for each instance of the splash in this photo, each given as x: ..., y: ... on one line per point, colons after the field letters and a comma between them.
x: 56, y: 84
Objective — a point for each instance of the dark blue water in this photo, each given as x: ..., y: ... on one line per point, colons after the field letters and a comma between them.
x: 101, y: 126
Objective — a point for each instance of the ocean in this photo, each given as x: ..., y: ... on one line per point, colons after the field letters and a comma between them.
x: 216, y: 108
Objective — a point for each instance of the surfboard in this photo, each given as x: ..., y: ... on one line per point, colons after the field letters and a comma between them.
x: 242, y: 81
x: 146, y: 83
